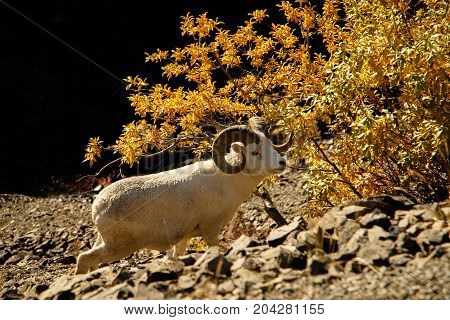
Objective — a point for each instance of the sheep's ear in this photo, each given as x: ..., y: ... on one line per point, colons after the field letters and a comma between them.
x: 238, y: 147
x: 236, y: 158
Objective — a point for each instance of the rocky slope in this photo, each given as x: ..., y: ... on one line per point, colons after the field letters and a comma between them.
x: 382, y: 247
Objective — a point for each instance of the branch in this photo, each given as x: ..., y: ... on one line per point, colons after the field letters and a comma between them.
x: 115, y: 161
x: 270, y: 208
x: 334, y: 166
x: 106, y: 166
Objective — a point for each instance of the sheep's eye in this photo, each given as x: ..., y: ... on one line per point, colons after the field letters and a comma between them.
x: 254, y: 153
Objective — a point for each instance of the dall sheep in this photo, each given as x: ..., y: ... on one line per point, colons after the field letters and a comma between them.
x: 163, y: 211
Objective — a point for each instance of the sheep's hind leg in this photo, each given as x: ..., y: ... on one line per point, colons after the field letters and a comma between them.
x: 102, y: 253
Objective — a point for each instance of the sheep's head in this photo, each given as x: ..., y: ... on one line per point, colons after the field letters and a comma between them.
x: 248, y: 149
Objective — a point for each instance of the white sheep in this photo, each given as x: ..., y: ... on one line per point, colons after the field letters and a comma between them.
x: 163, y: 211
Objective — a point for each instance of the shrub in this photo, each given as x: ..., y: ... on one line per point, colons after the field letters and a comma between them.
x: 377, y: 83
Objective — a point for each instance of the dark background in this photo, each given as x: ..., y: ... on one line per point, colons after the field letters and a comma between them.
x: 52, y: 99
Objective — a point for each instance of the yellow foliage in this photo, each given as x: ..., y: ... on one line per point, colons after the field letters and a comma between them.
x: 93, y: 150
x: 381, y: 87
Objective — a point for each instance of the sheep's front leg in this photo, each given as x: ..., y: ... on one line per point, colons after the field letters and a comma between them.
x: 212, y: 238
x: 179, y: 249
x: 101, y: 253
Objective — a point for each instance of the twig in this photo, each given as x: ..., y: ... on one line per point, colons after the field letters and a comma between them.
x: 308, y: 169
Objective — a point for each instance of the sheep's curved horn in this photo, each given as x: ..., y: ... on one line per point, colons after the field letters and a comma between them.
x: 258, y: 124
x: 284, y: 146
x: 225, y: 138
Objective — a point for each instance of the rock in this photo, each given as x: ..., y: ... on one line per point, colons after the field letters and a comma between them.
x: 418, y: 213
x: 328, y: 222
x: 123, y: 275
x: 120, y: 291
x: 4, y: 256
x: 347, y: 230
x: 45, y: 246
x: 86, y: 287
x: 240, y: 244
x: 271, y: 253
x: 431, y: 236
x: 291, y: 239
x: 317, y: 264
x: 376, y: 252
x: 14, y: 259
x: 400, y: 259
x: 39, y: 288
x: 188, y: 259
x: 374, y: 204
x: 144, y: 292
x: 185, y: 282
x: 214, y: 262
x: 220, y: 266
x: 351, y: 211
x: 405, y: 243
x: 377, y: 218
x: 277, y: 236
x: 65, y: 295
x: 438, y: 225
x: 64, y: 284
x: 395, y: 202
x: 67, y: 260
x: 336, y: 269
x: 226, y: 287
x: 254, y: 263
x: 162, y: 270
x: 290, y: 257
x: 344, y: 254
x: 245, y: 279
x: 348, y: 250
x: 355, y: 265
x: 238, y: 264
x: 433, y: 212
x: 286, y: 257
x: 413, y: 230
x: 394, y: 231
x: 10, y: 294
x: 307, y: 240
x: 408, y: 220
x: 377, y: 233
x: 210, y: 254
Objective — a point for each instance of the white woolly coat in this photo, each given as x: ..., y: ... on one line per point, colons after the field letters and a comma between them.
x: 159, y: 210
